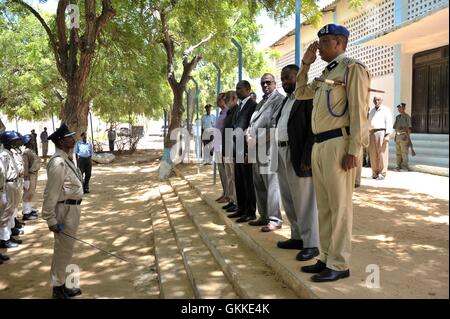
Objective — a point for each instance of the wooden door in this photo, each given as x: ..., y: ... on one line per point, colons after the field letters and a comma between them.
x: 430, y: 93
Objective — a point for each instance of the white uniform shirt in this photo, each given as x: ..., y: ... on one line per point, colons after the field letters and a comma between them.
x: 282, y: 127
x: 380, y: 119
x: 11, y: 169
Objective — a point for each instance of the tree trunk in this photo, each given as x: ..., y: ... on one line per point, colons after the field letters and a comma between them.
x: 76, y: 110
x: 74, y: 57
x: 176, y: 113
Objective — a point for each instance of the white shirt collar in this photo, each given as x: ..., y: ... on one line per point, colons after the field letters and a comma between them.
x: 245, y: 101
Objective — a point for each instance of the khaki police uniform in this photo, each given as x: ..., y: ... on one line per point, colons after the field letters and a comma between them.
x: 31, y: 163
x: 340, y: 109
x: 20, y: 166
x: 402, y: 122
x: 2, y: 190
x: 11, y: 188
x: 62, y: 198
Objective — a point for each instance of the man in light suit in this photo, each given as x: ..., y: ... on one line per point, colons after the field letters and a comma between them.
x: 258, y: 136
x: 245, y: 191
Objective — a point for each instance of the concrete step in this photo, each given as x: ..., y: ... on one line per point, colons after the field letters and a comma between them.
x: 430, y: 137
x: 427, y: 144
x: 420, y: 159
x: 428, y: 151
x: 206, y: 277
x: 281, y: 261
x: 173, y: 279
x: 250, y: 276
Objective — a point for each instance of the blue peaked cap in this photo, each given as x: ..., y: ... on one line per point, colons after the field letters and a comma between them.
x: 334, y: 29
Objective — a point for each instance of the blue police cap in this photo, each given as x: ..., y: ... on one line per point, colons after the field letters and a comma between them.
x: 26, y: 139
x: 60, y: 133
x: 334, y: 29
x: 9, y: 136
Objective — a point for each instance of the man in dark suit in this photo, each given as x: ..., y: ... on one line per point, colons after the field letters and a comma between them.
x: 295, y: 140
x: 245, y: 192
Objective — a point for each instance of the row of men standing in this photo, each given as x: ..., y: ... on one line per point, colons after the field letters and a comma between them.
x: 62, y: 195
x: 321, y: 129
x: 18, y: 179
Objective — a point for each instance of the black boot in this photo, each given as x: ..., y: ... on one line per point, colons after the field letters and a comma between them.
x: 16, y: 232
x: 3, y: 257
x: 7, y: 244
x: 16, y: 241
x: 18, y: 224
x: 71, y: 292
x: 58, y: 293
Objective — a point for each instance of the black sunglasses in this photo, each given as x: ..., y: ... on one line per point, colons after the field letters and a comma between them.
x: 266, y: 82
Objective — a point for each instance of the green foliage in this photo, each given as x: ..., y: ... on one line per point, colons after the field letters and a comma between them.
x: 129, y: 72
x: 29, y: 81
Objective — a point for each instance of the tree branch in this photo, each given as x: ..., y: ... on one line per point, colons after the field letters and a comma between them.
x: 47, y: 29
x: 188, y: 67
x: 61, y: 33
x: 189, y: 51
x: 168, y: 46
x: 108, y: 13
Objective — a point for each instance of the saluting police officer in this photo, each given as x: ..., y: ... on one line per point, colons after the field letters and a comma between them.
x: 339, y: 122
x: 61, y: 208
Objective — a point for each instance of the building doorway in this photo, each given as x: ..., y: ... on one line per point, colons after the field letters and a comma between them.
x: 430, y: 91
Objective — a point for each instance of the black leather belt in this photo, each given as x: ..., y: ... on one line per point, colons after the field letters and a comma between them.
x: 378, y: 129
x: 12, y: 180
x: 71, y: 201
x: 322, y: 137
x: 283, y: 143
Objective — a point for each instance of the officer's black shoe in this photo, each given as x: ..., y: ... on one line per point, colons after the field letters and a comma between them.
x: 16, y: 241
x: 238, y: 213
x: 1, y: 261
x: 86, y: 191
x: 18, y: 224
x: 307, y: 254
x: 291, y: 244
x: 245, y: 218
x: 232, y: 209
x: 7, y: 244
x: 330, y: 275
x: 71, y: 292
x: 318, y: 267
x: 59, y: 293
x: 3, y: 257
x: 227, y: 205
x: 29, y: 216
x: 16, y: 232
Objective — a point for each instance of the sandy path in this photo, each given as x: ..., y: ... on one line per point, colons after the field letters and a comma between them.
x: 115, y: 217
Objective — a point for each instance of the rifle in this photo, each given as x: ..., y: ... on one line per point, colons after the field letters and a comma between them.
x: 410, y: 145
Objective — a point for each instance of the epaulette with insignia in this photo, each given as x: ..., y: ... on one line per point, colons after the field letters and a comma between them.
x: 350, y: 62
x: 332, y: 65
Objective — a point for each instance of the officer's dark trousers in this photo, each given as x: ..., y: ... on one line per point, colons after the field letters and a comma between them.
x: 85, y: 166
x: 245, y: 191
x: 111, y: 145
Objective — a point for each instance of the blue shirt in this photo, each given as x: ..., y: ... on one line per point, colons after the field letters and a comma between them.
x: 208, y: 121
x: 83, y: 149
